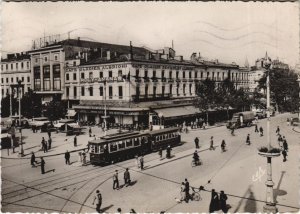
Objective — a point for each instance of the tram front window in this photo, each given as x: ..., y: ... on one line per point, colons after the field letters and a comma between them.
x: 101, y: 149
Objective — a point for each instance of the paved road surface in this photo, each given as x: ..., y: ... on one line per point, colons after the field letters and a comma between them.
x: 240, y: 172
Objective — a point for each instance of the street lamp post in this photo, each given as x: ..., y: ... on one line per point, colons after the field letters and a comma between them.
x: 20, y: 124
x: 270, y: 206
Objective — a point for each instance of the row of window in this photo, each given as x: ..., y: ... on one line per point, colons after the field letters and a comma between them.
x: 45, y: 58
x: 113, y: 147
x: 13, y: 66
x: 91, y: 91
x: 8, y: 92
x: 12, y: 79
x: 214, y: 75
x: 120, y: 90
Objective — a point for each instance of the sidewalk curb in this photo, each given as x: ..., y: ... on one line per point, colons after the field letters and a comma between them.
x: 57, y: 154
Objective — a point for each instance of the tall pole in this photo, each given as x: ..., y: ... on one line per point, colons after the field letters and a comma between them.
x: 270, y: 206
x: 20, y: 124
x: 105, y: 127
x: 10, y: 100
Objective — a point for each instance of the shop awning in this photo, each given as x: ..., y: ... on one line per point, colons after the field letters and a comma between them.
x: 177, y: 111
x: 71, y: 113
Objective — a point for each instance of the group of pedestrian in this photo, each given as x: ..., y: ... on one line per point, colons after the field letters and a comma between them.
x: 185, y: 191
x: 33, y: 162
x: 260, y: 130
x: 127, y: 180
x: 217, y: 203
x: 46, y: 146
x: 282, y: 142
x: 168, y: 152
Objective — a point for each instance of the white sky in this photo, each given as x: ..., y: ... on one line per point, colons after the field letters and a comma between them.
x: 228, y: 31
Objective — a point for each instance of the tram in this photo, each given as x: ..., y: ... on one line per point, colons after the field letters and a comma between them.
x: 122, y: 146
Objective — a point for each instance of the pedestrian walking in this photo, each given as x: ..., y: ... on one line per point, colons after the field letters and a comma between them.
x: 115, y: 180
x: 187, y: 190
x: 49, y: 133
x: 132, y: 211
x: 127, y: 180
x: 248, y: 140
x: 90, y: 131
x: 279, y: 139
x: 44, y: 145
x: 182, y: 192
x: 160, y: 153
x: 83, y: 159
x: 261, y: 131
x: 67, y: 157
x: 214, y: 202
x: 211, y: 143
x: 49, y: 143
x: 256, y: 128
x: 288, y: 121
x: 223, y: 145
x: 196, y: 142
x: 98, y: 199
x: 75, y: 141
x: 119, y: 210
x: 278, y: 130
x: 142, y: 162
x: 137, y: 161
x: 223, y: 204
x: 168, y: 154
x: 32, y: 160
x: 42, y: 165
x: 284, y: 144
x: 284, y: 154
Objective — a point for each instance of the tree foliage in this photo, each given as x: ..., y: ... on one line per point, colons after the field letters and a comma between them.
x: 5, y: 106
x: 31, y: 104
x: 225, y: 95
x: 284, y: 89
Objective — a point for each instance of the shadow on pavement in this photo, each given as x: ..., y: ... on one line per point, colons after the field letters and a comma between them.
x: 106, y: 208
x: 250, y: 206
x: 277, y: 191
x: 51, y: 170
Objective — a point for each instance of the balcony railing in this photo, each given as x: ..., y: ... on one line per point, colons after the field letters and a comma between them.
x: 150, y: 97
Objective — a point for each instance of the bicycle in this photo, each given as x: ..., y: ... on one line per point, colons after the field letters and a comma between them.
x: 196, y: 164
x: 195, y: 196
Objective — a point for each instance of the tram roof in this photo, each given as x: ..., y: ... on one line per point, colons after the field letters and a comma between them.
x: 117, y: 135
x: 166, y: 130
x: 120, y: 138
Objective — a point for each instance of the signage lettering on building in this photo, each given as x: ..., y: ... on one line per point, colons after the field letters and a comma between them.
x: 98, y: 67
x: 171, y: 67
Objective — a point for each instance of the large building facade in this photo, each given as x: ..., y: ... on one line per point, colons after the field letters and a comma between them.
x: 15, y: 68
x: 134, y: 84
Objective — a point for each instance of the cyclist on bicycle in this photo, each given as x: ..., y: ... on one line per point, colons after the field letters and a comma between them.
x: 196, y: 158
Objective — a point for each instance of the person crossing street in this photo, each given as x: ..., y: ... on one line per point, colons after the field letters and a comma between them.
x: 196, y: 142
x: 67, y: 157
x: 248, y: 140
x: 116, y: 180
x: 98, y: 198
x: 212, y: 143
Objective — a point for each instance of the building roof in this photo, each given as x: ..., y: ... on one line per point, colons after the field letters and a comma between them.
x: 125, y: 49
x: 16, y: 57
